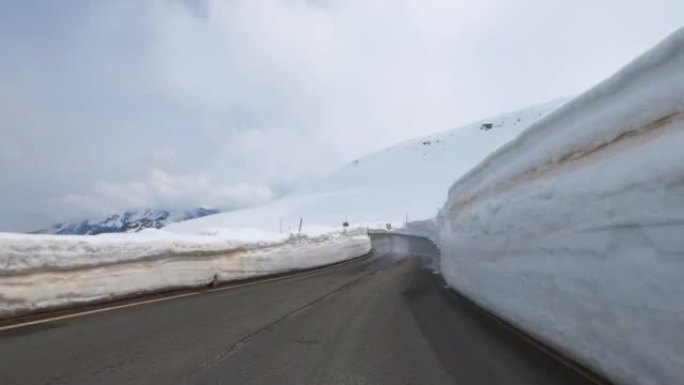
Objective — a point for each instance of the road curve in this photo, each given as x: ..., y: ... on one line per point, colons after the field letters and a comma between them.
x: 380, y: 319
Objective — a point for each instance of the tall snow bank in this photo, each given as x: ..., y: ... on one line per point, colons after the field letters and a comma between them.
x: 573, y: 231
x: 41, y: 272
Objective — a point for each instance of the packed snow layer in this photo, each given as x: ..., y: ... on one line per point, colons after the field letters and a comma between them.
x: 573, y: 231
x: 406, y: 180
x: 44, y: 272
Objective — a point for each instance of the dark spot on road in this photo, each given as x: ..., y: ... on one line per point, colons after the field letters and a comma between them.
x: 307, y: 341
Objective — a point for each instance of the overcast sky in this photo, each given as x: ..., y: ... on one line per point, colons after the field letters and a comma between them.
x: 111, y: 105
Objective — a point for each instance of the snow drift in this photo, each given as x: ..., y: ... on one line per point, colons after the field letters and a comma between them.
x: 44, y: 272
x: 573, y: 231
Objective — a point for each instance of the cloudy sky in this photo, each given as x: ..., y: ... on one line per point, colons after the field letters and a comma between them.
x: 111, y: 105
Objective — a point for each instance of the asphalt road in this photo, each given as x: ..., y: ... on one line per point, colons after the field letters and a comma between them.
x: 380, y: 319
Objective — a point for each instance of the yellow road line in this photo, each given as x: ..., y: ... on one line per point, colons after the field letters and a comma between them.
x: 167, y: 298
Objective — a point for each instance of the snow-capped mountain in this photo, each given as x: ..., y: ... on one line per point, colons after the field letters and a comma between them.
x: 128, y: 221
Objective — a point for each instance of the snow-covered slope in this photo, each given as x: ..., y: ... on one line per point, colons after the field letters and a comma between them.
x: 127, y: 222
x: 573, y: 230
x: 409, y: 179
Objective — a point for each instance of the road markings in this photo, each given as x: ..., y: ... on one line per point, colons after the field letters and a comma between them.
x: 170, y: 297
x: 551, y: 352
x: 545, y: 349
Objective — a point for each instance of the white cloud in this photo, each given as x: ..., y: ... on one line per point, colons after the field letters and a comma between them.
x: 348, y: 75
x: 161, y: 189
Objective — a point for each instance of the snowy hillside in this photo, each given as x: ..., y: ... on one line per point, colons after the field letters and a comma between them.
x: 573, y: 231
x: 127, y: 222
x: 410, y: 179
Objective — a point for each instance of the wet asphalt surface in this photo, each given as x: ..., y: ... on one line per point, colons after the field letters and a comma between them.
x: 380, y: 319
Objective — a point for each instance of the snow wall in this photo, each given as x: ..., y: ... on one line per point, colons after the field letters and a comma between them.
x: 48, y: 272
x: 574, y: 231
